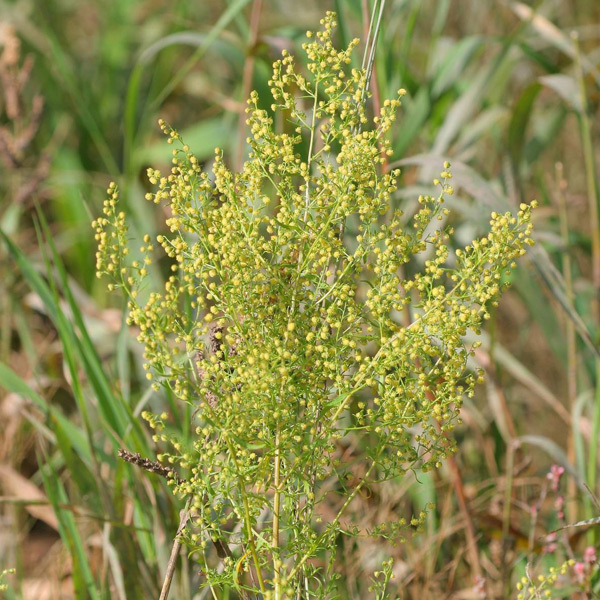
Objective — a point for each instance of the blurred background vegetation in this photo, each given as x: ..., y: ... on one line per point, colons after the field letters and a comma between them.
x: 508, y: 92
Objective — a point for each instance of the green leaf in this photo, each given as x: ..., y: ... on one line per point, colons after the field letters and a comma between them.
x: 517, y: 127
x: 417, y: 111
x: 566, y: 87
x: 453, y: 64
x: 202, y: 138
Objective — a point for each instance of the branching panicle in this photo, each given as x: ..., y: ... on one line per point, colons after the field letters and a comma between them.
x: 267, y: 327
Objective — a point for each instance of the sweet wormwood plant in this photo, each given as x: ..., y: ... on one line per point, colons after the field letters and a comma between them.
x: 281, y: 326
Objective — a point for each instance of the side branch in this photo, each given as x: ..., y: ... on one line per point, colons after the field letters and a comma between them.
x: 151, y: 466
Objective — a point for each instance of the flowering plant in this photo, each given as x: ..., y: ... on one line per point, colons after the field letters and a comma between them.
x: 568, y: 577
x: 282, y: 325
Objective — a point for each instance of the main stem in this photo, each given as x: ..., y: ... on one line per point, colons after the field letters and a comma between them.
x: 310, y: 149
x: 247, y: 519
x: 276, y: 509
x: 337, y: 518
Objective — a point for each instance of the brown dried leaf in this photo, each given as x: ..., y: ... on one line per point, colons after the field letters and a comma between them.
x: 20, y: 488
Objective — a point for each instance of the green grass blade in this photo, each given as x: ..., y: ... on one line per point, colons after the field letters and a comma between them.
x: 83, y: 579
x: 517, y: 127
x: 202, y: 40
x: 13, y: 383
x: 453, y: 64
x: 228, y: 15
x: 63, y: 72
x: 417, y: 111
x: 65, y: 330
x: 85, y: 480
x: 116, y: 412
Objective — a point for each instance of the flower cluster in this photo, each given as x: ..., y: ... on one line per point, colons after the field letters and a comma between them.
x: 573, y: 574
x: 556, y: 472
x: 542, y: 585
x: 570, y: 577
x: 3, y: 575
x: 295, y: 315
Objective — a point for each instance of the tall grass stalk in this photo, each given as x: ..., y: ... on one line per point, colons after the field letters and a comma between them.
x: 572, y: 363
x: 593, y: 200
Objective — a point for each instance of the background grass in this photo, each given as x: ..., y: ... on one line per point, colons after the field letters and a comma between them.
x: 509, y: 92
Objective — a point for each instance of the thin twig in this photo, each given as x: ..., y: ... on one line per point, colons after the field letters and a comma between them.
x: 371, y: 46
x: 247, y: 80
x: 151, y: 466
x: 223, y: 550
x: 461, y: 496
x: 373, y: 74
x: 184, y: 516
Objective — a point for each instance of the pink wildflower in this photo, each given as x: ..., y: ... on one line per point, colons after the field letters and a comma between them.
x: 559, y: 504
x: 550, y: 545
x: 554, y: 476
x: 479, y: 587
x: 589, y: 556
x: 579, y: 569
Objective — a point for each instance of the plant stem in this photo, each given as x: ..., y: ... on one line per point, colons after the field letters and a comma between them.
x: 310, y: 149
x: 184, y: 516
x: 247, y: 521
x: 588, y: 153
x: 276, y: 509
x: 247, y: 79
x: 570, y: 334
x: 508, y: 491
x: 337, y: 518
